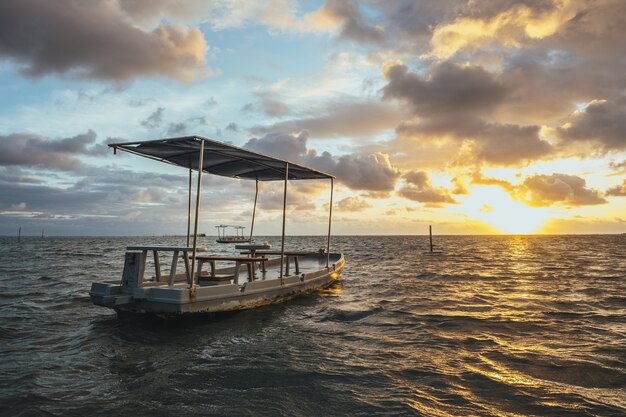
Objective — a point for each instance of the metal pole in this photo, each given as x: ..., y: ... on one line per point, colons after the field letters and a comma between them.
x: 282, y: 242
x: 195, y: 227
x: 189, y: 210
x: 430, y: 234
x: 330, y: 219
x: 256, y: 195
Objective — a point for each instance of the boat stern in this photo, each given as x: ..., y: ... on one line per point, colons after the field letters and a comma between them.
x: 108, y: 294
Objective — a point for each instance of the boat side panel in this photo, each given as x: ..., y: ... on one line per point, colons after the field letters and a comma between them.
x: 169, y: 301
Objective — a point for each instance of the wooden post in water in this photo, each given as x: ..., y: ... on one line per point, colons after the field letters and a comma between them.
x: 430, y: 234
x: 19, y: 235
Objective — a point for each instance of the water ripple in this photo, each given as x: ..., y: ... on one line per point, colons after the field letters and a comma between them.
x: 502, y: 325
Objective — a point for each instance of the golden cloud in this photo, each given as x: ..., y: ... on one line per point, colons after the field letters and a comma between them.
x: 509, y: 28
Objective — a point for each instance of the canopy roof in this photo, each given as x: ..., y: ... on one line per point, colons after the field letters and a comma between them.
x: 219, y: 159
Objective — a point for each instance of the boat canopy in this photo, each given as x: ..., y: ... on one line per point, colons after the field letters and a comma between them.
x: 220, y: 159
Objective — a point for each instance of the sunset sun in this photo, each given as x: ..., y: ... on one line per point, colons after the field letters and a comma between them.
x: 494, y: 207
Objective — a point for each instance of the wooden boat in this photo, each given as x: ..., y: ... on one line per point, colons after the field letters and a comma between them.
x: 210, y: 282
x: 223, y: 238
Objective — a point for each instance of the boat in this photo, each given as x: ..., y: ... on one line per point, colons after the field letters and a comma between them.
x: 214, y: 283
x: 222, y: 238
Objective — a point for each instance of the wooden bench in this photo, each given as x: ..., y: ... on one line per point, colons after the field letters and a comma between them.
x: 247, y: 260
x: 186, y: 251
x: 288, y: 255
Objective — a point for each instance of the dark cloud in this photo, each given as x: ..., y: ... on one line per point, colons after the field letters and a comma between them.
x: 601, y: 122
x: 273, y: 108
x: 372, y: 172
x: 341, y: 119
x: 232, y: 126
x: 549, y: 55
x: 31, y: 150
x: 210, y: 103
x: 140, y: 102
x: 267, y: 104
x: 420, y: 189
x: 409, y: 23
x: 619, y: 167
x: 617, y: 191
x: 449, y: 88
x: 176, y: 129
x: 94, y: 39
x: 566, y: 190
x: 354, y: 26
x: 510, y: 144
x: 16, y: 175
x: 455, y: 102
x: 497, y: 144
x: 155, y: 119
x: 107, y: 190
x: 247, y: 108
x: 285, y: 146
x: 594, y: 31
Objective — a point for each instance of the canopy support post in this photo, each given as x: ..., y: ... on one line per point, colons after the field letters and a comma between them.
x: 282, y: 241
x: 330, y: 220
x: 192, y: 286
x: 189, y: 209
x: 256, y: 195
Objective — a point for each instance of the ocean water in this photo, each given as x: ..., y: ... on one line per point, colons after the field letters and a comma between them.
x: 502, y: 325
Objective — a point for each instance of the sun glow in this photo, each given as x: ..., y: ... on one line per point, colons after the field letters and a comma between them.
x: 495, y: 207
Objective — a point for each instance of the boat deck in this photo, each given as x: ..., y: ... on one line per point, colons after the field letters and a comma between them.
x: 265, y: 265
x: 269, y: 269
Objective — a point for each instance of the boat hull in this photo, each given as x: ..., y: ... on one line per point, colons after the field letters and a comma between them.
x: 179, y: 300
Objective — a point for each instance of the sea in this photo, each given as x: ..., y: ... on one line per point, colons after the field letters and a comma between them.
x: 489, y: 326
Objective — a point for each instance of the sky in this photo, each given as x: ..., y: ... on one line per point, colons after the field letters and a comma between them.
x: 476, y: 117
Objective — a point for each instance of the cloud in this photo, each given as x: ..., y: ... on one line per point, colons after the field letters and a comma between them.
x: 371, y: 171
x: 504, y: 144
x: 452, y: 103
x: 541, y: 190
x: 459, y: 186
x: 272, y: 199
x: 232, y: 126
x: 285, y: 146
x: 107, y: 190
x: 511, y: 27
x: 420, y: 189
x: 31, y: 150
x: 176, y: 129
x: 277, y: 15
x: 341, y: 119
x: 567, y: 190
x: 450, y: 88
x: 601, y: 122
x: 154, y: 120
x: 353, y: 204
x: 347, y: 15
x: 95, y: 40
x: 268, y: 103
x: 478, y: 178
x: 618, y: 166
x: 617, y: 191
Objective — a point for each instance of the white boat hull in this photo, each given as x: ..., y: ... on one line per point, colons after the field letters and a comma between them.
x: 178, y: 299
